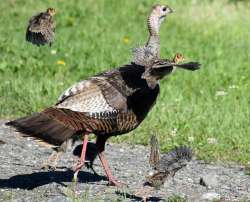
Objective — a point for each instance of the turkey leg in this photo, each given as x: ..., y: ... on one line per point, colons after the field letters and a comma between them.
x: 100, y: 142
x: 82, y: 159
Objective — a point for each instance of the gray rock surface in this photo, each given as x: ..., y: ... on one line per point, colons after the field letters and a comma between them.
x: 21, y: 179
x: 210, y: 196
x: 209, y: 180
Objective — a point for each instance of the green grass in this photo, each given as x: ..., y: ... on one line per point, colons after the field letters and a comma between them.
x: 90, y: 38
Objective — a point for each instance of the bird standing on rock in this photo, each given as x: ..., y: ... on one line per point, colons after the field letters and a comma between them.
x: 41, y: 28
x: 109, y: 104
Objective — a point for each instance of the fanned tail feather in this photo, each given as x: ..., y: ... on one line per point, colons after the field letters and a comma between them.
x: 175, y: 159
x: 35, y: 38
x: 41, y: 126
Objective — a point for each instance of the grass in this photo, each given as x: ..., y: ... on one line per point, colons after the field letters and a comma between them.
x: 208, y: 109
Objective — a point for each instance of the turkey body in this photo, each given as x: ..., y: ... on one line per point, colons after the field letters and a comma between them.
x: 109, y: 104
x: 112, y: 103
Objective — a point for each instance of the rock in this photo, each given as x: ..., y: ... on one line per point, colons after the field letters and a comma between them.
x: 59, y: 199
x: 211, y: 196
x: 209, y: 180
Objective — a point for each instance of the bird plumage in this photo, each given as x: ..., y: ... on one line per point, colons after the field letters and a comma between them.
x: 120, y: 90
x: 41, y: 125
x: 126, y: 99
x: 154, y: 151
x: 41, y: 28
x: 175, y: 159
x: 168, y: 164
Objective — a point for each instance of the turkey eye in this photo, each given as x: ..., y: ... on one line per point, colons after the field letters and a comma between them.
x: 164, y: 9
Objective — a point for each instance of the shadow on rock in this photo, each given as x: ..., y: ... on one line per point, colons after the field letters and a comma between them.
x: 133, y: 197
x: 34, y: 180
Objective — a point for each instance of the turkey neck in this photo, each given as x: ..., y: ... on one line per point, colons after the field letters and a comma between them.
x: 154, y: 38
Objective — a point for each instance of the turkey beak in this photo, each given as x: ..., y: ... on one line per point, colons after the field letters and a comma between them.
x: 170, y: 10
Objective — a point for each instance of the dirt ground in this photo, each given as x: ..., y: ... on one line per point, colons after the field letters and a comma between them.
x: 22, y: 179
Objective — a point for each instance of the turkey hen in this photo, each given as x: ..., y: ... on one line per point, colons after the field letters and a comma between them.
x: 41, y: 28
x: 156, y: 17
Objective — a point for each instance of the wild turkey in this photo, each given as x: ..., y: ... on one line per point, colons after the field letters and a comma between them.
x: 150, y: 52
x: 168, y: 164
x: 142, y: 56
x: 107, y: 104
x: 41, y: 28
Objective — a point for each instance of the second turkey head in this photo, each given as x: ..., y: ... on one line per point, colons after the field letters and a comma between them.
x: 156, y: 17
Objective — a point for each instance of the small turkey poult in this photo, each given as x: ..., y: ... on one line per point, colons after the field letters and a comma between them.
x: 162, y: 67
x: 166, y: 165
x: 41, y: 28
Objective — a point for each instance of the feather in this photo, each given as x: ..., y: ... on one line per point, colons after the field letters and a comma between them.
x: 157, y: 179
x: 168, y: 164
x: 174, y: 159
x: 41, y: 126
x: 154, y: 151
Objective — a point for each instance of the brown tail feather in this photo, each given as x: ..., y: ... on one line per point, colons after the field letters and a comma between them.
x: 43, y: 127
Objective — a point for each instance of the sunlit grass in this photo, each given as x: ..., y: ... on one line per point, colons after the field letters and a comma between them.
x: 93, y: 36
